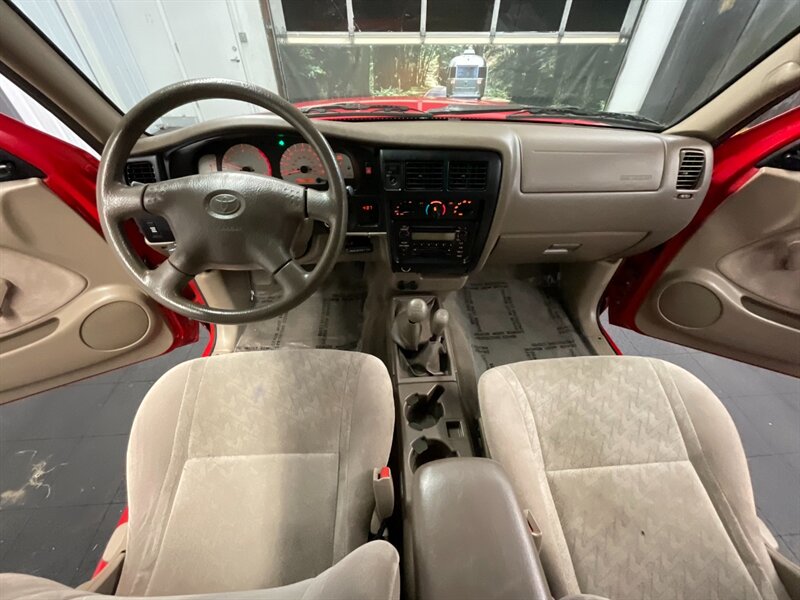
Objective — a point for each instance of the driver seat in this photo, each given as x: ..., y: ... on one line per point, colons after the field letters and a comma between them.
x: 254, y: 470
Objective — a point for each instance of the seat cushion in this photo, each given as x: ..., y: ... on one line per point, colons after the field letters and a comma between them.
x: 636, y: 475
x: 253, y: 470
x: 369, y: 573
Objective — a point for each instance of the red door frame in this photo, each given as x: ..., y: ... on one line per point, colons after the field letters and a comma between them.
x: 735, y: 163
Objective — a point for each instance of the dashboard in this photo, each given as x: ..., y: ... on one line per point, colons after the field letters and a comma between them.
x: 447, y: 197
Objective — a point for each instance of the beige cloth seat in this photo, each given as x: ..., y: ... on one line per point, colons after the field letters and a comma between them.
x: 636, y: 476
x: 367, y: 573
x: 254, y: 470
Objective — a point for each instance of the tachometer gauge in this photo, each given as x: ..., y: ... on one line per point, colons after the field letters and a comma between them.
x: 244, y: 157
x: 301, y: 164
x: 207, y: 164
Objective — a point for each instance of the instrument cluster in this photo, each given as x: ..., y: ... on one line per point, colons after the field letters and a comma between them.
x: 282, y: 157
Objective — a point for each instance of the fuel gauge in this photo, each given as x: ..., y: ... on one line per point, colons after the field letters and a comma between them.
x: 207, y: 164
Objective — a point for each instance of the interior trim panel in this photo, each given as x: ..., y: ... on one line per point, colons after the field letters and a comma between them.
x: 737, y: 278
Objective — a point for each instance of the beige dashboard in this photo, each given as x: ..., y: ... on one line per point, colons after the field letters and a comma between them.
x: 567, y: 193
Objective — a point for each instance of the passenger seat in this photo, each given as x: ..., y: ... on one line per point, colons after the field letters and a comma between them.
x: 637, y: 478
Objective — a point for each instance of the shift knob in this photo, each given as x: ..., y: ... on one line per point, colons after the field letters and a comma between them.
x: 439, y: 322
x: 407, y: 326
x: 417, y: 310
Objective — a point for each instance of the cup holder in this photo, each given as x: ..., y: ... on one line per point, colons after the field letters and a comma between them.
x: 424, y: 410
x: 424, y: 451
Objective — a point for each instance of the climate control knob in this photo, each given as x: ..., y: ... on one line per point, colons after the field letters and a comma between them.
x: 435, y: 209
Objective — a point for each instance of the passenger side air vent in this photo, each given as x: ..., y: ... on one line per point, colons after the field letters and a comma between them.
x: 690, y: 171
x: 424, y: 174
x: 467, y: 175
x: 140, y: 171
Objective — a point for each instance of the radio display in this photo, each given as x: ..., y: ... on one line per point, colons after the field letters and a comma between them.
x: 433, y: 236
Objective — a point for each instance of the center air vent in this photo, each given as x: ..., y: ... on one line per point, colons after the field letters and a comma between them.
x: 140, y: 171
x: 467, y: 175
x: 690, y: 171
x: 424, y: 174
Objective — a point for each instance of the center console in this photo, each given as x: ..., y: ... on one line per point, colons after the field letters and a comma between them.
x: 457, y: 510
x: 432, y: 424
x: 469, y: 537
x: 440, y: 205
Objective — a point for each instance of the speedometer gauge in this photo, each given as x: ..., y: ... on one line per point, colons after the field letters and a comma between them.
x: 300, y: 164
x: 244, y: 157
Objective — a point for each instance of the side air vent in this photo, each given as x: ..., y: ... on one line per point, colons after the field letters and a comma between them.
x: 424, y: 174
x: 140, y: 171
x: 467, y: 175
x: 690, y: 172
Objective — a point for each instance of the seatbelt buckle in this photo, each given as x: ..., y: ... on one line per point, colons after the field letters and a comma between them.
x: 534, y: 529
x: 383, y: 490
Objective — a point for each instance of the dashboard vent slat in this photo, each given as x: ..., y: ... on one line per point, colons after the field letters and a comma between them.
x: 467, y: 175
x: 140, y: 171
x: 424, y: 174
x: 690, y: 171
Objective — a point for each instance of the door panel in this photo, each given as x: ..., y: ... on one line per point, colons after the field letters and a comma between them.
x: 729, y: 283
x: 70, y: 311
x: 734, y: 287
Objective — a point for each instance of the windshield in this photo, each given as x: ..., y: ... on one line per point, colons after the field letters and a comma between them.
x: 657, y: 59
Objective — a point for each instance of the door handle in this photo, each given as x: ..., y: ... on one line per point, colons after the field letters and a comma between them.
x: 5, y: 286
x: 793, y: 256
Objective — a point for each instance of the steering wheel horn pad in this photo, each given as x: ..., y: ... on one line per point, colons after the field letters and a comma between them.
x: 222, y: 220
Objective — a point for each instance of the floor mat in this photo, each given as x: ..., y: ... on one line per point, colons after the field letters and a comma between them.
x: 509, y: 321
x: 331, y: 318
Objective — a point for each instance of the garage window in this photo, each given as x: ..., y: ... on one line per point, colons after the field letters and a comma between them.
x: 459, y: 15
x: 524, y: 15
x: 591, y: 15
x: 369, y: 15
x: 315, y: 15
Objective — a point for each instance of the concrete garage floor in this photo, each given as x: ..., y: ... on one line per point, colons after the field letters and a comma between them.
x: 62, y: 455
x: 62, y: 469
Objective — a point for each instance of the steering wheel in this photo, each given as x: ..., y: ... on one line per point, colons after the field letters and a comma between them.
x: 224, y: 220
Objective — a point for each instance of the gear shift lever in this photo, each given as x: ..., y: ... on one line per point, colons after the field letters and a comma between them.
x: 407, y: 326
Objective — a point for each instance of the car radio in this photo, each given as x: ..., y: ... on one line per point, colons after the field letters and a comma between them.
x: 432, y: 242
x: 440, y: 205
